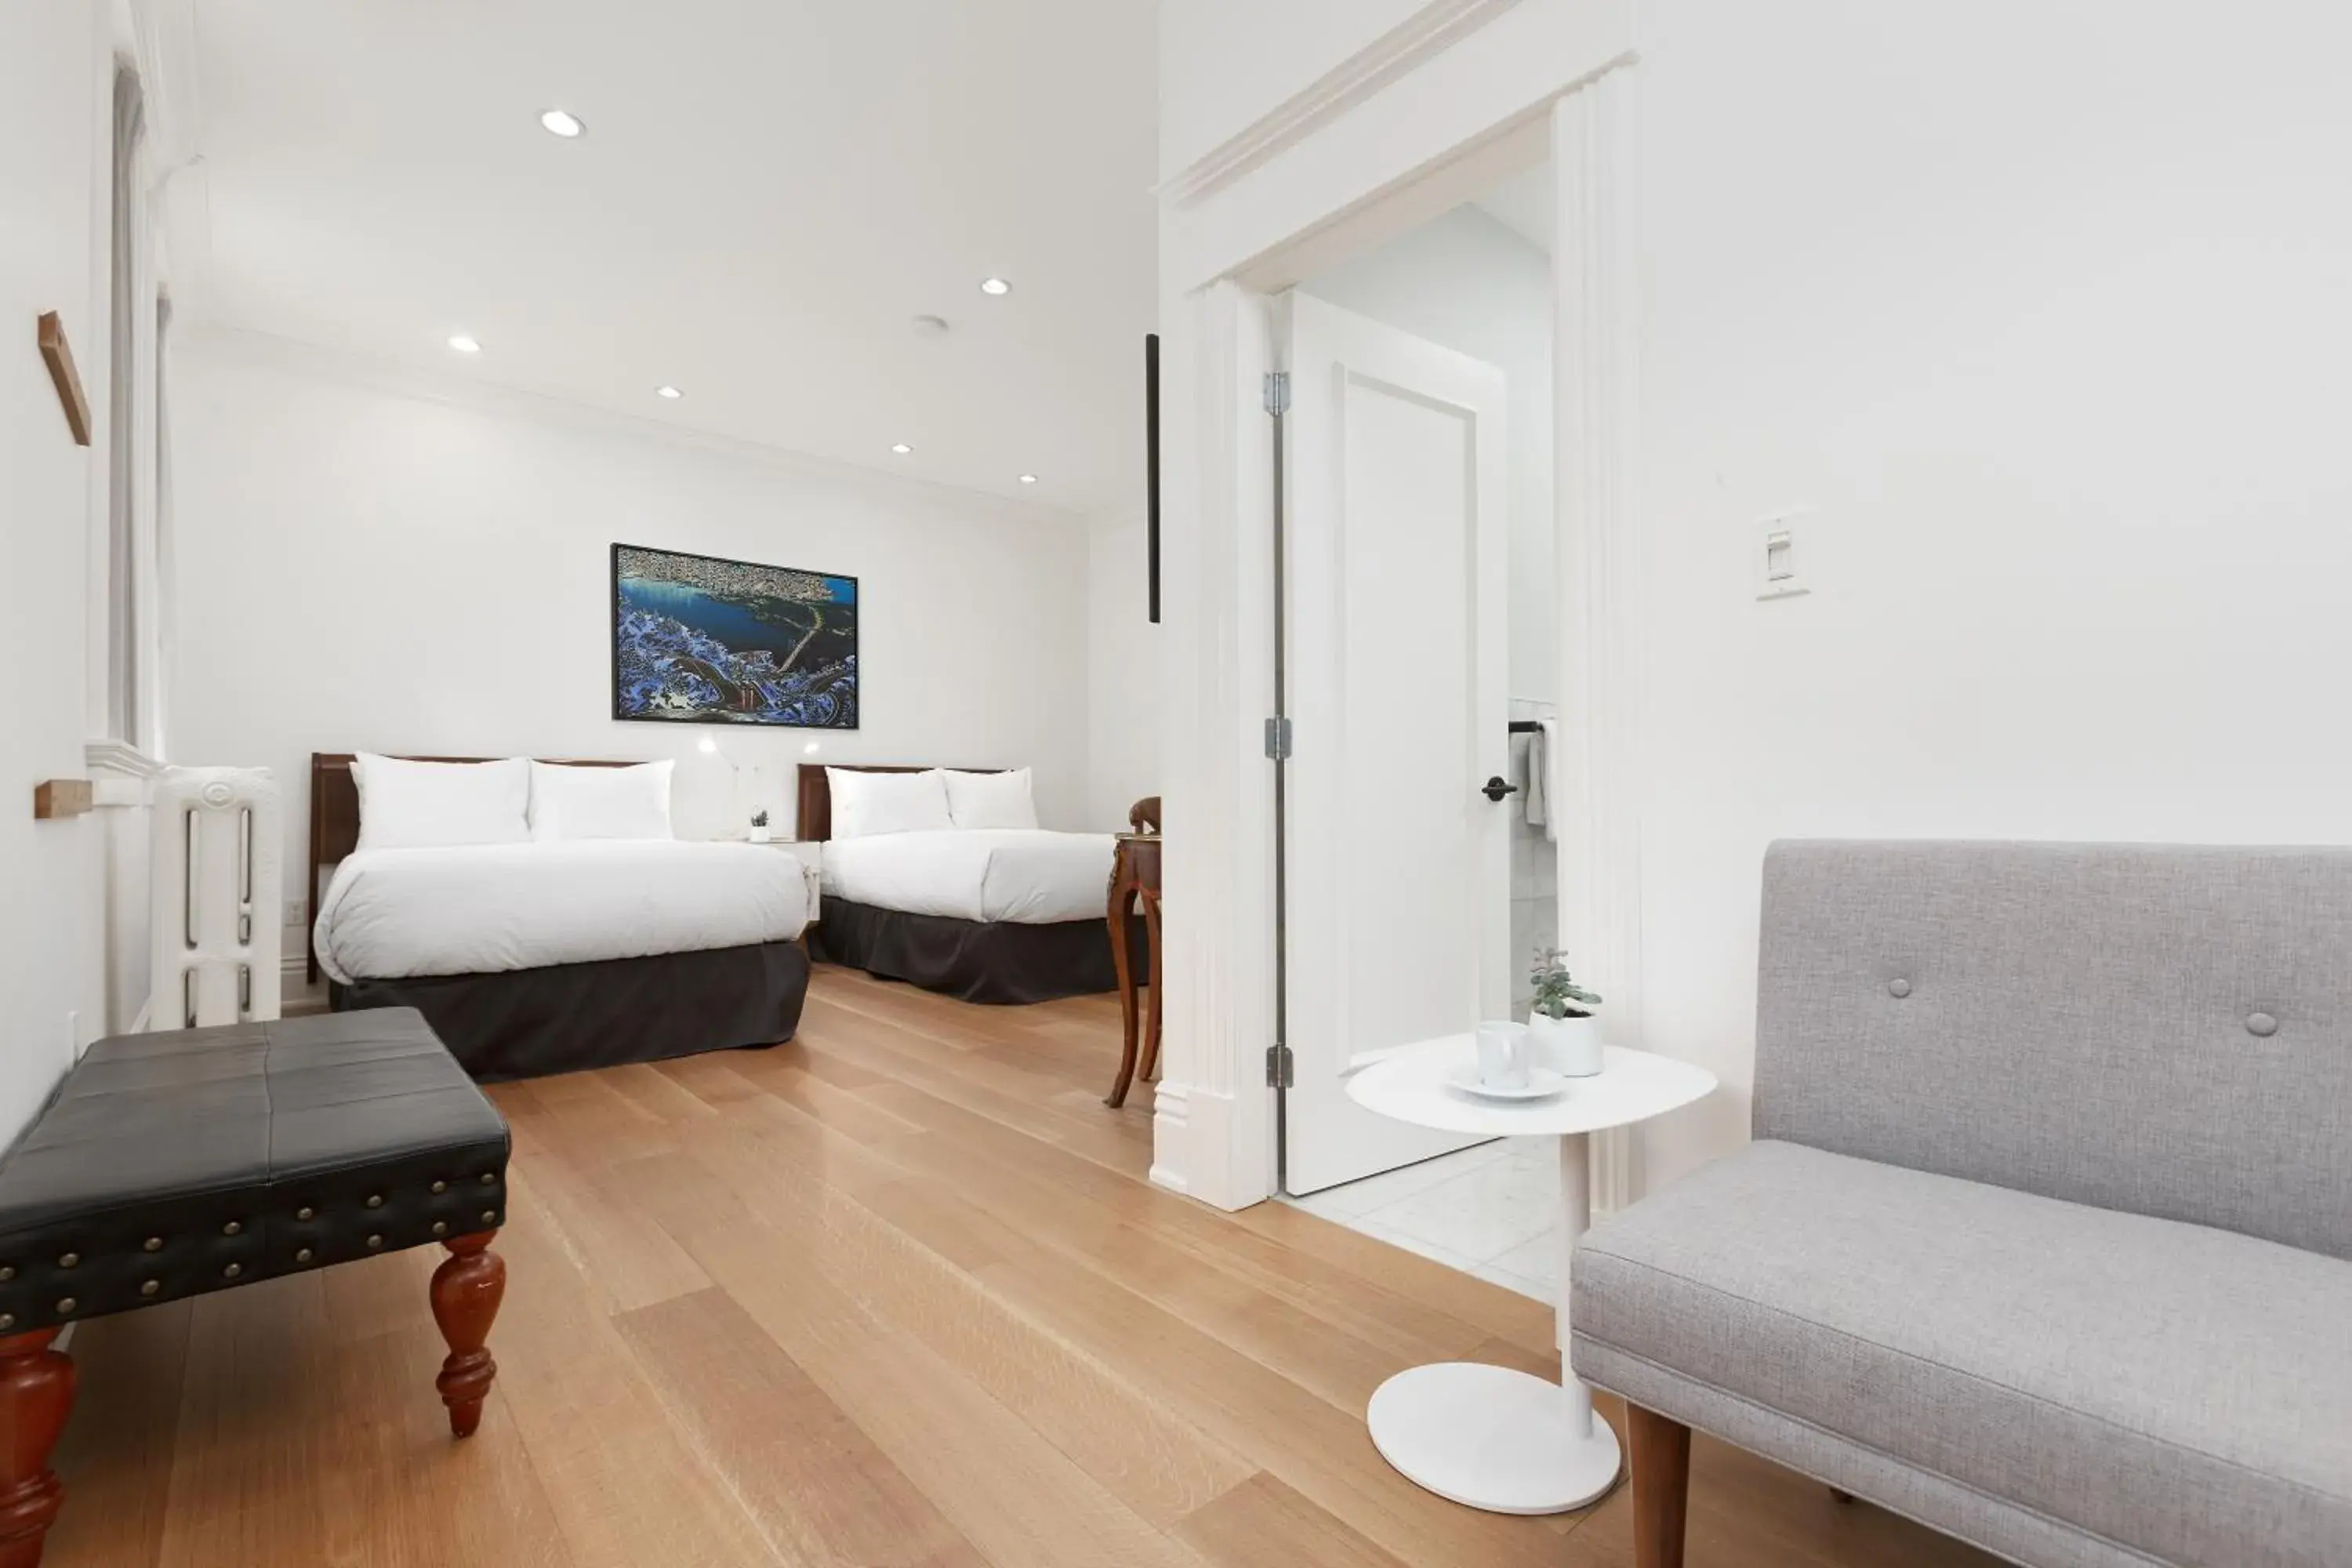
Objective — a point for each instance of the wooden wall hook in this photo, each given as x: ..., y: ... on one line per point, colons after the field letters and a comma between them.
x: 58, y: 353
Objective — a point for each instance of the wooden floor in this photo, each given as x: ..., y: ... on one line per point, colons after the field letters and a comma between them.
x: 895, y: 1294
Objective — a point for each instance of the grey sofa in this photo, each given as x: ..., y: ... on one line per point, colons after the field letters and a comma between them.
x: 2043, y: 1237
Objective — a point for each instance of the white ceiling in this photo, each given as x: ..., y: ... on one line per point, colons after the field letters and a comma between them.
x: 768, y: 193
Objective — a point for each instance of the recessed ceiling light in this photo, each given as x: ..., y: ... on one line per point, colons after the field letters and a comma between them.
x: 994, y: 286
x: 1028, y: 479
x: 562, y: 124
x: 900, y: 447
x: 465, y: 345
x: 667, y: 392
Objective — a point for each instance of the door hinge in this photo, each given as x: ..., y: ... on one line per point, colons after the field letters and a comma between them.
x: 1278, y: 393
x: 1281, y: 1068
x: 1277, y: 739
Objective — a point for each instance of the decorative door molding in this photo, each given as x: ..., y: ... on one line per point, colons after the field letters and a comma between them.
x: 1595, y: 455
x: 1427, y: 32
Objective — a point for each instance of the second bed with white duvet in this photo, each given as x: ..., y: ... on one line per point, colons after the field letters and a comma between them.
x: 1026, y: 876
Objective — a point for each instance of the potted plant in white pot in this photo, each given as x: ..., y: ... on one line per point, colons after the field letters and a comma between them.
x: 759, y: 828
x: 1561, y: 1024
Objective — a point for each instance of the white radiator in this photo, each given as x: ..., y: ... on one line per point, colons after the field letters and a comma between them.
x: 215, y: 891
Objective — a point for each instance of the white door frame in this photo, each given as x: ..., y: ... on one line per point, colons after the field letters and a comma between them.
x: 1331, y: 184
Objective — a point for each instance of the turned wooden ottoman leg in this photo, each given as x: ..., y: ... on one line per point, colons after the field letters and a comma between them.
x: 36, y: 1390
x: 467, y: 1289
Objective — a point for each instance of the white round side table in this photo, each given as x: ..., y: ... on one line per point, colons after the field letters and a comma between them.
x: 1486, y: 1435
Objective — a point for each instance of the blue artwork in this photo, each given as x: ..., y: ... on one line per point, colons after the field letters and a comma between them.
x: 699, y: 640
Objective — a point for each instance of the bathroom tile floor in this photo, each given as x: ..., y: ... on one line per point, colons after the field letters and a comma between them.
x: 1491, y: 1211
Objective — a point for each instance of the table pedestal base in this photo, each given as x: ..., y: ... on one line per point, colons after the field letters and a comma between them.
x: 1494, y: 1439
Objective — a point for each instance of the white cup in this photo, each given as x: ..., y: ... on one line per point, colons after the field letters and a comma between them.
x: 1504, y: 1054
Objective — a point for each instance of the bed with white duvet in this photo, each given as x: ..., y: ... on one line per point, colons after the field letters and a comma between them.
x: 1030, y: 875
x: 944, y: 879
x: 544, y: 918
x: 399, y: 914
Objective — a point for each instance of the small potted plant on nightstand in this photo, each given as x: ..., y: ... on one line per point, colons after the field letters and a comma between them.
x: 1561, y: 1024
x: 759, y: 828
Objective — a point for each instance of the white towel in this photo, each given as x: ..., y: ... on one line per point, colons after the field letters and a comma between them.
x: 1543, y: 743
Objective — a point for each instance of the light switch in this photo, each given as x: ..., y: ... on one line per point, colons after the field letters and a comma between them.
x: 1780, y: 561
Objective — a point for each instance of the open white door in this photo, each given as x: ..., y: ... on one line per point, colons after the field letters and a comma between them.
x: 1399, y: 892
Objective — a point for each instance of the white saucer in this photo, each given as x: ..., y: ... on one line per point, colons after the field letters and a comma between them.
x: 1542, y: 1084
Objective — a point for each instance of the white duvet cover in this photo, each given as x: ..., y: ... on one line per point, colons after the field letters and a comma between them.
x: 393, y: 914
x: 1030, y: 876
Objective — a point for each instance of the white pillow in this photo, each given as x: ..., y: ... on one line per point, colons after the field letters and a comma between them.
x: 866, y: 804
x: 600, y: 802
x: 990, y: 800
x: 424, y: 805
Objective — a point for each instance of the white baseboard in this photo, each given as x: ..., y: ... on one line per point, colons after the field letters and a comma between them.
x: 1170, y: 1130
x: 296, y: 996
x: 1199, y: 1129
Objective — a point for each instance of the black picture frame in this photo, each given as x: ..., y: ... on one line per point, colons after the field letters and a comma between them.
x: 613, y: 642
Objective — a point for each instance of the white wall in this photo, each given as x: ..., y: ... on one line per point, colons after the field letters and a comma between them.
x: 2052, y: 321
x: 54, y: 82
x: 1122, y: 672
x: 2049, y: 318
x: 362, y: 566
x: 1467, y: 282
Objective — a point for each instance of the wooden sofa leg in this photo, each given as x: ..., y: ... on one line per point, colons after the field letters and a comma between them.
x: 1661, y: 1487
x: 37, y: 1390
x: 467, y: 1290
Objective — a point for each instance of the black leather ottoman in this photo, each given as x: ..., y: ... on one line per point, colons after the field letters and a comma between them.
x: 171, y: 1164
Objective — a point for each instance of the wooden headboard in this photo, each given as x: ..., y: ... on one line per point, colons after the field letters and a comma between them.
x: 335, y: 817
x: 815, y: 804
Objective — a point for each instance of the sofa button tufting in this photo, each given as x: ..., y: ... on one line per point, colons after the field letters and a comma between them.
x: 303, y: 1256
x: 232, y: 1228
x: 489, y: 1217
x: 305, y: 1212
x: 8, y: 1271
x: 488, y: 1177
x: 375, y: 1200
x: 1898, y: 989
x: 153, y: 1244
x: 7, y: 1321
x: 66, y: 1307
x: 233, y: 1270
x: 375, y: 1241
x: 440, y: 1228
x: 150, y: 1287
x: 2261, y: 1025
x: 439, y: 1187
x: 67, y: 1259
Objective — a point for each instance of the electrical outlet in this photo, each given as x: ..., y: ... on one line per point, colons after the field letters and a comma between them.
x: 294, y: 913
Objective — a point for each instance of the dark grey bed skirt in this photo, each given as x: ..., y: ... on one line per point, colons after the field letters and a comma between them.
x: 567, y: 1017
x: 974, y: 961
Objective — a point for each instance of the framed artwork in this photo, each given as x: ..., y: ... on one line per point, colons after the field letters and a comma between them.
x: 702, y: 640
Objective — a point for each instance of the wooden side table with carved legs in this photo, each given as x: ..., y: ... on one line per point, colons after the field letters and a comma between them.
x: 1135, y: 880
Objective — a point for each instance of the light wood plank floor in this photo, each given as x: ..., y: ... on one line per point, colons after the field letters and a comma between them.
x: 895, y: 1294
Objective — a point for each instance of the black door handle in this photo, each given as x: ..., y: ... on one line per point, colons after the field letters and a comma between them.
x: 1495, y: 789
